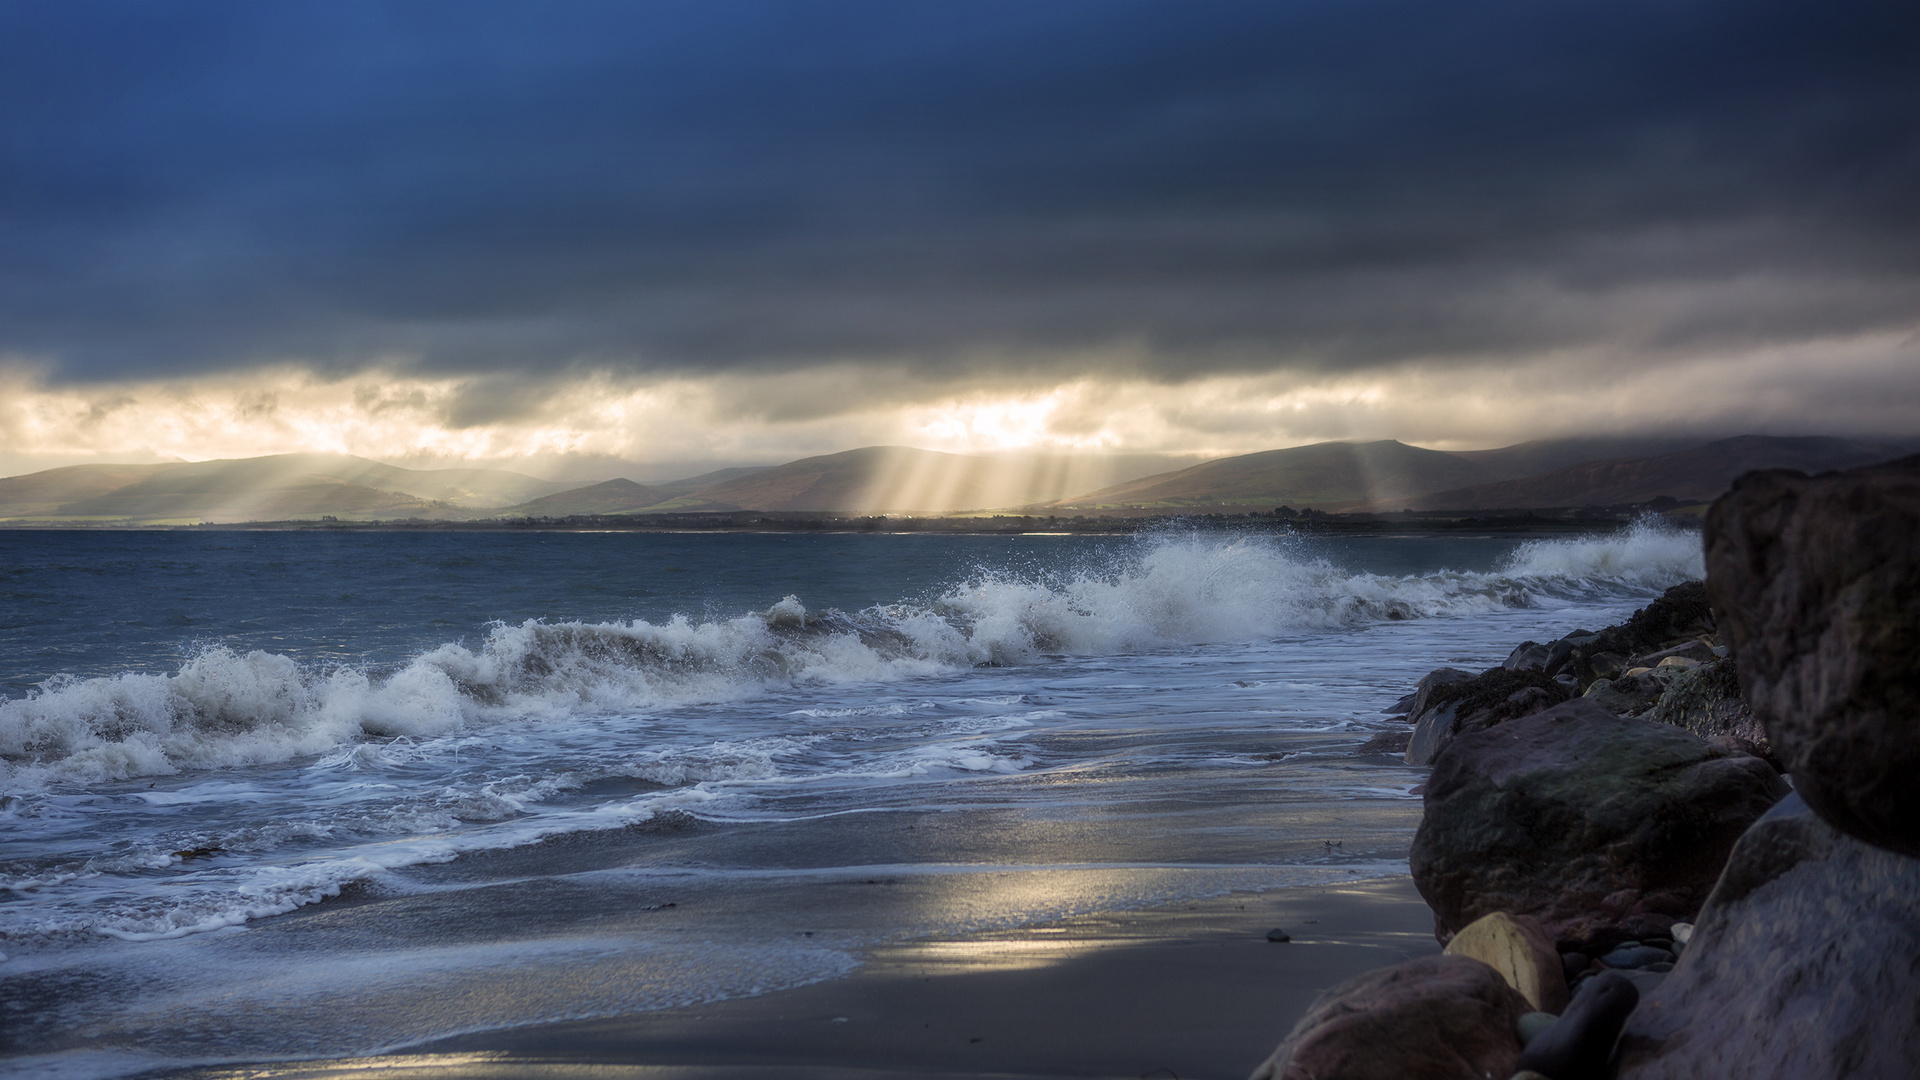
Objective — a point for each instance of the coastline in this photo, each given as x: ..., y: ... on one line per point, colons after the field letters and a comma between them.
x: 1188, y: 990
x: 1193, y: 990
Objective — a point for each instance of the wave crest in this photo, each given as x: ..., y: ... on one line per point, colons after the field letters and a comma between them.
x: 224, y: 709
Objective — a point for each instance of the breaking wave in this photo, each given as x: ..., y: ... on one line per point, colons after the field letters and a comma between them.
x: 224, y: 708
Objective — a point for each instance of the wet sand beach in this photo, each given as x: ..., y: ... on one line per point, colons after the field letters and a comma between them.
x: 1191, y: 990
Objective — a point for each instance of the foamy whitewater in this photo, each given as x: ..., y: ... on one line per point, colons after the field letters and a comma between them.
x: 270, y: 795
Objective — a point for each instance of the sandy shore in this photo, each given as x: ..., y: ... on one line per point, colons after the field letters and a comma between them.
x: 1190, y: 991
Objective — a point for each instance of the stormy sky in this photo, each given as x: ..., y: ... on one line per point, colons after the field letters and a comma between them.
x: 720, y: 231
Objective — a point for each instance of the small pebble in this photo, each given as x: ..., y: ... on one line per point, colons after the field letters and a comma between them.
x: 1682, y: 933
x: 1277, y: 935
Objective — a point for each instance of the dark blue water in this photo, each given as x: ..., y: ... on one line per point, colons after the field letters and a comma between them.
x: 98, y: 602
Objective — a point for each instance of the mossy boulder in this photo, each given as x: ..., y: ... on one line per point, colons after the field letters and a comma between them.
x: 1604, y: 828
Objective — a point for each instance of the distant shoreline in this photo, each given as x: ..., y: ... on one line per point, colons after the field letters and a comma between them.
x: 1514, y: 522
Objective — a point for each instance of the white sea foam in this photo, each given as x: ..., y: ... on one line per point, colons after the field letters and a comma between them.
x: 225, y: 709
x: 1648, y: 555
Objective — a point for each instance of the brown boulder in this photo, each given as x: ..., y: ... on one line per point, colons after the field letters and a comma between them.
x: 1804, y: 965
x: 1435, y: 1018
x: 1604, y: 828
x: 1818, y: 580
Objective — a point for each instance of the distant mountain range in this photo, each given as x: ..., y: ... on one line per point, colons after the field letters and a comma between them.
x: 1383, y: 475
x: 1695, y: 475
x: 1304, y: 476
x: 279, y: 487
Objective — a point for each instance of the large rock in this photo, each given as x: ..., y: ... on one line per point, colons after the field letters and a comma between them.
x: 1818, y: 580
x: 1521, y: 952
x: 1604, y: 828
x: 1803, y: 965
x: 1474, y: 704
x: 1435, y: 1018
x: 1706, y: 701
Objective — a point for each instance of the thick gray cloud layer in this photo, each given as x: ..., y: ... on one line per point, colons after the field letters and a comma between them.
x: 709, y: 186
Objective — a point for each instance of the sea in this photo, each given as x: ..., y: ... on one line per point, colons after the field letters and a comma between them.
x: 271, y: 795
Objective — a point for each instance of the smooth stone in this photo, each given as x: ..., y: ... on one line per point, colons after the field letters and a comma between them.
x: 1803, y: 965
x: 1580, y: 1045
x: 1278, y: 935
x: 1607, y: 665
x: 1559, y: 654
x: 1521, y: 952
x: 1676, y: 662
x: 1422, y: 690
x: 1533, y: 1025
x: 1682, y: 933
x: 1527, y: 656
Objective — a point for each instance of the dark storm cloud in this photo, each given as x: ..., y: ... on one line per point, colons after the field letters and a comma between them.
x: 707, y: 186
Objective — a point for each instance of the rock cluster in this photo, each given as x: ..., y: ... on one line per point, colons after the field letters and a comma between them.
x: 1455, y: 708
x: 1663, y: 664
x: 1593, y: 823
